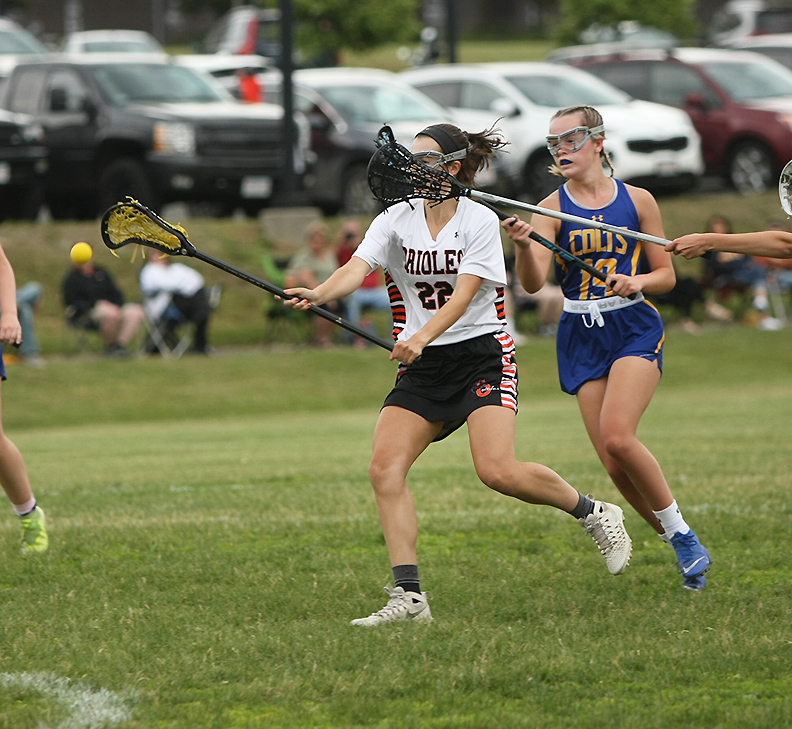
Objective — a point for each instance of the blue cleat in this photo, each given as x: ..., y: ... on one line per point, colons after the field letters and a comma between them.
x: 693, y: 558
x: 695, y: 584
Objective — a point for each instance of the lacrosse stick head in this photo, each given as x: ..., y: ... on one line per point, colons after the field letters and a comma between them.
x: 394, y: 175
x: 130, y: 222
x: 785, y: 188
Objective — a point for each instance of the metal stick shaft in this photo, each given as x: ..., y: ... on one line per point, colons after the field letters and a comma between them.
x: 496, y: 199
x: 277, y: 291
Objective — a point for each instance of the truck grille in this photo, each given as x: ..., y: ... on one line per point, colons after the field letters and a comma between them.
x: 255, y: 141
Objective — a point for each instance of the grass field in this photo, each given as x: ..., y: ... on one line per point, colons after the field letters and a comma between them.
x: 213, y: 532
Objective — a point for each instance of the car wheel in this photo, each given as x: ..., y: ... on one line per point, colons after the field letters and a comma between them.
x: 358, y: 198
x: 121, y: 178
x: 751, y: 168
x: 538, y: 181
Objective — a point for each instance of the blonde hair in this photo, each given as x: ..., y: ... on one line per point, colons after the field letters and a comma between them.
x: 591, y: 118
x: 317, y: 226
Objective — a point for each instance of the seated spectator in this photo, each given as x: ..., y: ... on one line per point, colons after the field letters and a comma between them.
x: 311, y: 265
x: 548, y: 302
x: 728, y: 273
x: 27, y: 298
x: 166, y: 283
x: 373, y: 293
x: 687, y: 292
x: 93, y: 301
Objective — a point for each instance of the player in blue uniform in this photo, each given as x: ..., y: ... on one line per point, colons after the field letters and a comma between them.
x: 610, y: 339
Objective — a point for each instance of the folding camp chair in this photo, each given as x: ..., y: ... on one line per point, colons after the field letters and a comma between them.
x: 170, y: 333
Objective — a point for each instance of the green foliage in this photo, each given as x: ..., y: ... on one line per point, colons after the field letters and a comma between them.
x: 328, y: 26
x: 675, y: 16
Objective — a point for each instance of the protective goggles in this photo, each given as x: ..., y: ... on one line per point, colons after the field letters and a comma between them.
x: 437, y: 159
x: 572, y: 139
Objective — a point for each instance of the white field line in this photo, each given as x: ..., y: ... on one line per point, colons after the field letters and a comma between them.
x: 87, y: 708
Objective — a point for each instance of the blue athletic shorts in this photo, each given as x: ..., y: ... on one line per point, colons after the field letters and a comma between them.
x: 2, y: 365
x: 587, y: 353
x: 449, y: 381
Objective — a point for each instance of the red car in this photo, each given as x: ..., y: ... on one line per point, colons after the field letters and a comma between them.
x: 739, y: 102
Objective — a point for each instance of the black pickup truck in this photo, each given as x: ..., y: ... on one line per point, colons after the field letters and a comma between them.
x: 151, y: 129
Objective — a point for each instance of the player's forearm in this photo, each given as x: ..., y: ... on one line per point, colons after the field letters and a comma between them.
x: 531, y: 273
x: 342, y: 282
x: 772, y: 243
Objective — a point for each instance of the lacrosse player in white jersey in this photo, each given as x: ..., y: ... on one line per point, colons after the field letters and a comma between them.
x: 446, y: 277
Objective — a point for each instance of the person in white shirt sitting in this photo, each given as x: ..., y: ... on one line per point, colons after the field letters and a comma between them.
x: 171, y: 286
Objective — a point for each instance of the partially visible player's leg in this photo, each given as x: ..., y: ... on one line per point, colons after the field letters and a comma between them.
x: 590, y: 399
x: 492, y: 433
x: 16, y: 484
x: 628, y: 390
x: 399, y: 438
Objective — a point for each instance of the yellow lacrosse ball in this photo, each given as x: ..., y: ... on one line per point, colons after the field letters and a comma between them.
x: 81, y: 253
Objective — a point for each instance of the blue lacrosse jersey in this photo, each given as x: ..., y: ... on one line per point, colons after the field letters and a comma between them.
x: 607, y: 252
x: 587, y: 351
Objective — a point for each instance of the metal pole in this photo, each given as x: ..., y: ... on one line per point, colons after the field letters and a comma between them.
x: 158, y: 20
x: 289, y: 184
x: 451, y: 30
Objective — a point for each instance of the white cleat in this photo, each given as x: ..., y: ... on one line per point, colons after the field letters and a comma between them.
x: 605, y: 525
x: 401, y: 606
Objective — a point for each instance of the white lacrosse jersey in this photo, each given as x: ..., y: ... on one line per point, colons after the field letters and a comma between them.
x: 421, y: 272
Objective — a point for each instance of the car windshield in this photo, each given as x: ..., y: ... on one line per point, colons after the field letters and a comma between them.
x: 132, y: 82
x: 748, y: 80
x: 372, y: 104
x: 562, y: 91
x: 19, y: 42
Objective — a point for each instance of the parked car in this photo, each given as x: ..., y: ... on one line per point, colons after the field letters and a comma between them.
x: 23, y: 162
x: 740, y: 102
x: 226, y: 67
x: 16, y: 44
x: 346, y: 107
x: 652, y: 145
x: 777, y: 46
x: 246, y: 30
x: 743, y: 18
x: 113, y: 41
x: 150, y: 129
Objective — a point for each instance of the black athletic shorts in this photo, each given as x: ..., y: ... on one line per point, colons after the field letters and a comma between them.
x: 450, y: 381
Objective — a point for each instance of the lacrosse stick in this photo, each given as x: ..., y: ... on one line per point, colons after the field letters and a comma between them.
x: 131, y: 222
x: 558, y: 250
x: 395, y: 176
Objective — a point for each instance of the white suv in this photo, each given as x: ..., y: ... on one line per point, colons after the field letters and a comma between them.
x: 652, y: 145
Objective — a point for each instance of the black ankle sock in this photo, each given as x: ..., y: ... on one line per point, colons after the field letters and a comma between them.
x: 585, y: 506
x: 406, y: 577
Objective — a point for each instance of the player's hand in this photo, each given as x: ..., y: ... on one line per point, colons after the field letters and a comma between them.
x: 689, y: 246
x: 518, y: 230
x: 407, y: 351
x: 303, y: 300
x: 10, y: 330
x: 623, y: 285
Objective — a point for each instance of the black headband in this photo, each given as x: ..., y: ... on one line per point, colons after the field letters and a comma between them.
x: 442, y: 137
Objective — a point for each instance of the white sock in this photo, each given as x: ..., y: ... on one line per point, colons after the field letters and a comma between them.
x: 21, y: 509
x: 671, y: 520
